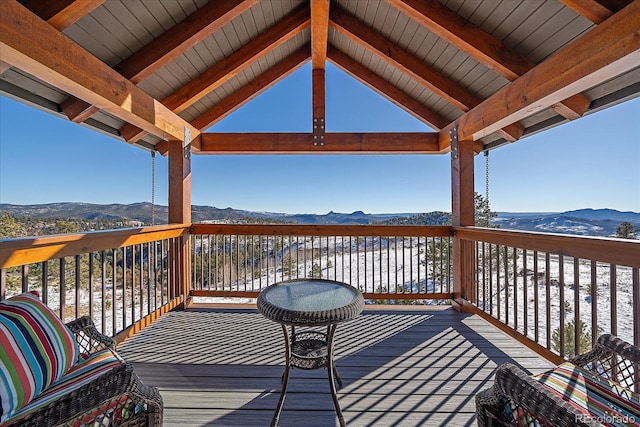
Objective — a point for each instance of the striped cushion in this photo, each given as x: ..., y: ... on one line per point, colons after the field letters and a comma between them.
x: 82, y: 373
x: 606, y: 402
x: 38, y: 349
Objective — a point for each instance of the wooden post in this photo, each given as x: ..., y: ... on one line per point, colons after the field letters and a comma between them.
x: 180, y: 211
x: 462, y: 213
x: 318, y: 100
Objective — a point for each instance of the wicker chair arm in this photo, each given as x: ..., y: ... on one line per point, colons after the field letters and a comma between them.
x: 103, y: 392
x: 520, y: 387
x: 606, y: 346
x: 88, y: 337
x: 612, y: 359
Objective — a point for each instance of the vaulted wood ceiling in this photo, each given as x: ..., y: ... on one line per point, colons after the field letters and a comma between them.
x: 160, y: 71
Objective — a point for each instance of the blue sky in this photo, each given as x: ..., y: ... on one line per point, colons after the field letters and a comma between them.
x: 593, y: 162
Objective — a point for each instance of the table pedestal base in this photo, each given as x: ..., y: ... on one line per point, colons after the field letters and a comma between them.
x: 310, y: 350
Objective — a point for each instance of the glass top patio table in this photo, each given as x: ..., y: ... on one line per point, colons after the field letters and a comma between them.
x: 310, y: 302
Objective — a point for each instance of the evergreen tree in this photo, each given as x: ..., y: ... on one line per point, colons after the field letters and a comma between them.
x: 9, y: 226
x: 626, y: 230
x: 584, y: 339
x: 315, y: 272
x: 484, y: 214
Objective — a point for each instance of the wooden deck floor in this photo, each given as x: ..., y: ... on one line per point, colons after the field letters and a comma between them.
x: 222, y: 367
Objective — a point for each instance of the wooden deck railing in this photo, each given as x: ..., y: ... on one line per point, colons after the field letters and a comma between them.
x: 121, y: 278
x: 384, y: 262
x: 556, y: 292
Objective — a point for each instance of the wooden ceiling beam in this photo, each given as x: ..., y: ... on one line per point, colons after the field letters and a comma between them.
x: 488, y: 50
x: 464, y: 35
x: 62, y: 13
x: 610, y: 49
x: 228, y: 67
x: 181, y: 37
x: 319, y: 32
x: 444, y: 87
x: 252, y: 89
x: 319, y: 37
x: 171, y: 44
x: 360, y: 33
x: 77, y: 112
x: 38, y: 52
x: 596, y: 11
x: 4, y: 67
x: 384, y: 88
x: 335, y: 143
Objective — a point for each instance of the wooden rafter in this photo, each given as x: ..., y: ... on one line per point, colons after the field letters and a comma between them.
x: 77, y: 112
x: 181, y: 37
x: 4, y: 67
x: 319, y: 36
x: 335, y: 143
x: 243, y: 95
x: 358, y: 32
x: 227, y: 68
x: 608, y: 50
x: 392, y: 93
x: 466, y: 36
x: 168, y: 46
x: 252, y: 89
x: 319, y: 32
x: 62, y: 13
x: 38, y: 52
x: 390, y: 52
x: 596, y: 11
x: 476, y: 42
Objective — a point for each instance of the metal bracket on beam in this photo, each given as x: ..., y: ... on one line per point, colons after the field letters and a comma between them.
x: 318, y: 131
x: 186, y: 144
x: 453, y: 139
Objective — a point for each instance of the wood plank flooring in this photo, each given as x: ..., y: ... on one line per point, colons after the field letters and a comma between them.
x: 223, y: 367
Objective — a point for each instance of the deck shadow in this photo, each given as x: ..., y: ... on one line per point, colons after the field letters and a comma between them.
x: 223, y: 367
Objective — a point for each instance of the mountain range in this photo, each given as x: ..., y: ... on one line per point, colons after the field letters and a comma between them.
x: 592, y: 222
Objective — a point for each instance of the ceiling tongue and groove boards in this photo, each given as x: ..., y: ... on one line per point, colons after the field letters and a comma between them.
x: 442, y: 62
x: 38, y: 51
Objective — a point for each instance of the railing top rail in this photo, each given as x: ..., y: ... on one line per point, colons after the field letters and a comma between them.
x: 322, y: 230
x: 27, y: 250
x: 624, y: 252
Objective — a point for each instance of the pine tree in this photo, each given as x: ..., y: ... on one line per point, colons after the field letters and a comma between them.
x: 9, y: 226
x: 626, y: 230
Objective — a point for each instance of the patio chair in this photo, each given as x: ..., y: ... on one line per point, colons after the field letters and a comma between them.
x: 53, y: 373
x: 597, y: 388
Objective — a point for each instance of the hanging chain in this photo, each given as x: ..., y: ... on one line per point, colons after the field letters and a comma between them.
x: 153, y: 188
x: 486, y: 178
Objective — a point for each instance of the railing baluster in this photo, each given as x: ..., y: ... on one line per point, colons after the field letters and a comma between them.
x: 61, y: 288
x: 536, y: 296
x: 594, y: 303
x: 577, y: 322
x: 25, y: 278
x: 103, y: 292
x: 562, y: 307
x: 525, y: 294
x: 490, y: 261
x: 506, y: 284
x: 498, y: 289
x: 613, y: 301
x: 547, y: 261
x: 45, y: 282
x: 515, y: 288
